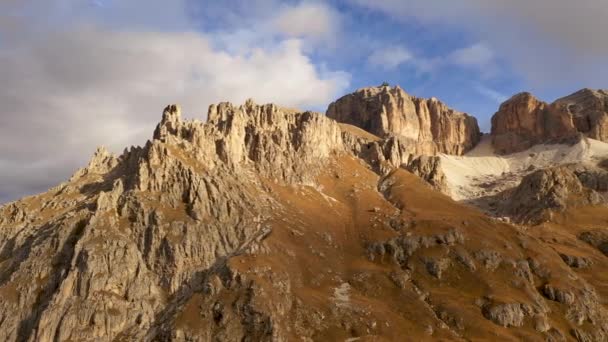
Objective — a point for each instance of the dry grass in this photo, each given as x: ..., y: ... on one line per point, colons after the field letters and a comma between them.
x: 319, y: 241
x: 358, y: 132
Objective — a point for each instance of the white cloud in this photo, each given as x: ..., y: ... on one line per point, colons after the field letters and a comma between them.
x: 74, y: 88
x: 238, y: 25
x: 477, y: 55
x: 390, y: 57
x: 491, y: 93
x: 548, y: 42
x: 307, y: 20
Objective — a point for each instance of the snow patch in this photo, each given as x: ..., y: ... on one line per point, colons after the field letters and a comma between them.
x: 482, y: 172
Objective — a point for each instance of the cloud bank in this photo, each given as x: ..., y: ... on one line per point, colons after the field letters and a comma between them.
x: 547, y: 42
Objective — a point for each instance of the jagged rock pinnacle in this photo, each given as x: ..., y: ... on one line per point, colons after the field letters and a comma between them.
x: 171, y: 120
x: 102, y: 161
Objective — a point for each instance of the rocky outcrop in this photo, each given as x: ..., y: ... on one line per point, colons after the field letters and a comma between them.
x: 385, y: 155
x: 591, y: 177
x: 524, y: 121
x: 597, y: 238
x: 429, y: 169
x: 426, y: 126
x: 506, y: 315
x: 549, y: 189
x: 589, y: 111
x: 277, y: 143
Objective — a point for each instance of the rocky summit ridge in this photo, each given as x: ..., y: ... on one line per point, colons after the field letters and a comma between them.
x: 271, y: 224
x: 428, y: 126
x: 524, y: 121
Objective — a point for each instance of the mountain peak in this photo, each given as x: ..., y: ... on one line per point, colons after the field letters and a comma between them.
x: 524, y: 95
x: 171, y: 120
x: 524, y: 121
x: 386, y: 89
x: 430, y: 125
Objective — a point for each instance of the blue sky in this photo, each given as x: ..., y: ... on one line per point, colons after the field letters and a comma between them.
x: 373, y: 47
x: 455, y: 52
x: 83, y: 73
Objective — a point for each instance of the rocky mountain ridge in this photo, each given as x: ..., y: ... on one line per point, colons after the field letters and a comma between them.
x: 524, y: 121
x: 427, y: 126
x: 268, y: 224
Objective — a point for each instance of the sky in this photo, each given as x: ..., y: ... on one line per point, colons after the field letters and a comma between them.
x: 78, y: 74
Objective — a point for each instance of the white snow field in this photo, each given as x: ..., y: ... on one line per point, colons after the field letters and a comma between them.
x: 482, y: 172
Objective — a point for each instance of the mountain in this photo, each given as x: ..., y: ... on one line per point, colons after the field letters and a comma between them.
x: 271, y: 224
x: 524, y: 121
x: 427, y: 125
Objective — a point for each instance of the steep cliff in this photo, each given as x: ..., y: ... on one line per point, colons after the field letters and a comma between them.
x: 427, y: 126
x: 524, y: 121
x: 589, y: 111
x: 386, y: 155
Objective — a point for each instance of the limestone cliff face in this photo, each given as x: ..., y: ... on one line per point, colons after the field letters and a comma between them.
x: 386, y: 155
x: 275, y: 142
x: 107, y: 249
x: 589, y: 111
x: 427, y: 125
x: 524, y: 121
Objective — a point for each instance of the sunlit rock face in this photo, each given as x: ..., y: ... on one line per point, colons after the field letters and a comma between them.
x: 427, y: 125
x: 589, y: 111
x: 107, y: 249
x: 524, y: 121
